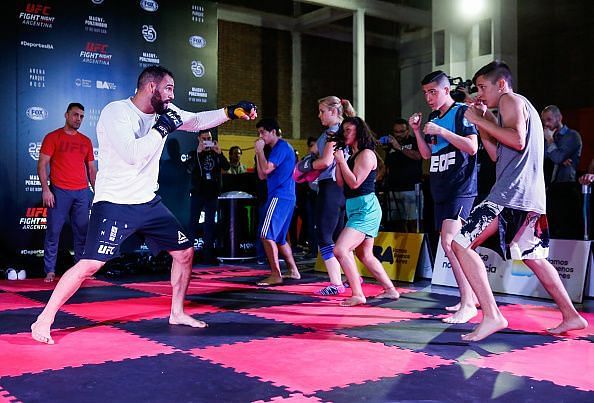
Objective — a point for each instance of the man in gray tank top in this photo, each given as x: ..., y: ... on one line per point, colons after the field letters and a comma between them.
x: 515, y: 209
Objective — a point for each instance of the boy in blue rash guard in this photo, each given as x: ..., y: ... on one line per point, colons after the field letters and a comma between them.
x: 451, y: 149
x: 277, y: 169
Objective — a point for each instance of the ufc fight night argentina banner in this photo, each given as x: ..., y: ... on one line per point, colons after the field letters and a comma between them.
x: 91, y: 52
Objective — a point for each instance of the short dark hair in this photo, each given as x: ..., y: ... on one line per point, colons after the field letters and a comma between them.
x: 269, y: 124
x: 401, y: 121
x: 152, y: 73
x: 494, y: 71
x: 75, y: 105
x: 204, y: 131
x: 233, y: 148
x: 310, y: 140
x: 437, y: 76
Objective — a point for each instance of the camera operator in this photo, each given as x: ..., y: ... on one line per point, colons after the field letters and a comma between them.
x: 404, y: 169
x: 206, y: 165
x: 461, y: 90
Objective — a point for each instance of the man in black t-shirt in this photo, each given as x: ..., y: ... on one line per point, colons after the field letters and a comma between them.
x: 206, y: 165
x: 403, y: 171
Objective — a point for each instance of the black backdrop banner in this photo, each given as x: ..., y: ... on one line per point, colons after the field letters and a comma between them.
x: 91, y: 51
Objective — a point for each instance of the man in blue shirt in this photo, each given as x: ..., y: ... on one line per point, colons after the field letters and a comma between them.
x: 563, y: 145
x: 277, y: 170
x: 563, y: 148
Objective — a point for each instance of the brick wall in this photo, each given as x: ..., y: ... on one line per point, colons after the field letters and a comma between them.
x: 255, y: 64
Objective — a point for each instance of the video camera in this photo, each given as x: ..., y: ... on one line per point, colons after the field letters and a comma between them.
x: 460, y: 88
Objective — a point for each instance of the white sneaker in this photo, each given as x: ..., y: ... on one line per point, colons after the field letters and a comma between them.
x: 11, y: 274
x: 21, y: 275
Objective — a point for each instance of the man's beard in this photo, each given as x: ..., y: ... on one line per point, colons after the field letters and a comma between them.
x: 157, y: 103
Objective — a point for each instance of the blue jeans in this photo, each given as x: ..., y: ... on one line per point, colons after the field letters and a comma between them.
x: 69, y: 204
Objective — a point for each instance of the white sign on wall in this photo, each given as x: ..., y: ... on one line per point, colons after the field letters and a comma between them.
x: 571, y: 259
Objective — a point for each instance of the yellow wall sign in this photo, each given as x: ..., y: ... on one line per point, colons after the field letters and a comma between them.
x: 398, y: 253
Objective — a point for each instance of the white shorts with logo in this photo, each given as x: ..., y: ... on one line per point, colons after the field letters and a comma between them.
x: 521, y: 234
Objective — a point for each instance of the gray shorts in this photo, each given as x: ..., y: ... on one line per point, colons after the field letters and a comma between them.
x: 522, y: 234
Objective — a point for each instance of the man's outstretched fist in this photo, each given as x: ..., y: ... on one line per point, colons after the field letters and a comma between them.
x: 243, y: 109
x: 168, y: 121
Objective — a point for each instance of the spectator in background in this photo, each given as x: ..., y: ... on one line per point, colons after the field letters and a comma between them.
x: 404, y: 169
x: 69, y: 155
x: 563, y: 149
x: 563, y: 145
x: 235, y: 165
x: 206, y: 165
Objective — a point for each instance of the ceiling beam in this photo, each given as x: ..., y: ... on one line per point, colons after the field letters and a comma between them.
x: 323, y: 16
x: 256, y: 18
x: 380, y: 9
x: 310, y: 25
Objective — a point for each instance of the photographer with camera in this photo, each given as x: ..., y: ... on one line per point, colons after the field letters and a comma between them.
x: 206, y: 165
x: 404, y: 169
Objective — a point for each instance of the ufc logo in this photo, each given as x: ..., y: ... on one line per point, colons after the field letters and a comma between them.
x: 72, y: 148
x: 36, y: 212
x: 96, y: 47
x: 106, y: 250
x: 440, y: 163
x: 37, y: 9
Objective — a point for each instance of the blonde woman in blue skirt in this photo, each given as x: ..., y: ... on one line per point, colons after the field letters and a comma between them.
x: 357, y: 177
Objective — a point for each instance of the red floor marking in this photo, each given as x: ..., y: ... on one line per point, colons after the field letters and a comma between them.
x: 197, y: 286
x: 536, y: 319
x: 37, y: 284
x: 228, y: 273
x: 370, y: 290
x: 14, y: 301
x: 301, y: 362
x: 74, y: 347
x: 565, y: 362
x: 5, y: 396
x: 326, y: 315
x: 293, y: 398
x: 133, y: 309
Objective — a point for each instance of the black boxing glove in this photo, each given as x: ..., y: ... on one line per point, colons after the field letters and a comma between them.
x: 240, y: 109
x: 168, y: 121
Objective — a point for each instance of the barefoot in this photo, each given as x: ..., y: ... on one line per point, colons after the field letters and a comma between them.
x: 40, y: 331
x: 272, y: 280
x: 186, y: 320
x: 576, y: 323
x: 389, y: 293
x: 353, y: 301
x: 456, y: 308
x: 463, y: 315
x: 486, y: 328
x: 50, y: 277
x: 453, y: 308
x: 293, y: 275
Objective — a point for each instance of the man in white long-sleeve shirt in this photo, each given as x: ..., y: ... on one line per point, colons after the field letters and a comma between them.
x: 131, y: 135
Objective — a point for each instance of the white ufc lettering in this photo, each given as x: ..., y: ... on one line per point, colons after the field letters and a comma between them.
x: 105, y: 250
x: 440, y: 163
